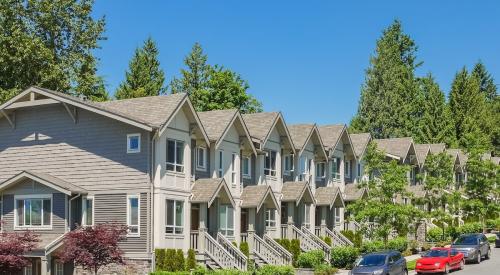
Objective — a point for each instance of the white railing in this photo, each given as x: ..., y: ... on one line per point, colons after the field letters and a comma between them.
x: 217, y: 253
x: 306, y: 243
x: 285, y: 255
x: 337, y: 238
x: 243, y: 237
x: 239, y: 259
x: 319, y: 242
x: 265, y: 252
x: 284, y: 230
x: 193, y: 239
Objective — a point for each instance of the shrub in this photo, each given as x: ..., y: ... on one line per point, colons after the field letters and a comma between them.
x: 180, y: 264
x: 435, y: 234
x: 275, y: 270
x: 310, y: 259
x: 295, y: 250
x: 410, y: 265
x: 400, y: 244
x: 244, y: 249
x: 344, y: 256
x: 324, y: 269
x: 160, y: 259
x: 413, y: 246
x: 426, y: 247
x: 169, y: 263
x: 443, y: 243
x: 355, y: 237
x: 191, y: 260
x: 493, y: 224
x: 407, y: 253
x: 328, y: 240
x: 170, y: 273
x: 473, y: 227
x: 285, y: 243
x: 368, y: 247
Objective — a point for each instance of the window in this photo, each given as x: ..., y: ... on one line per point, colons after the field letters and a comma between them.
x: 337, y: 215
x: 34, y: 211
x: 233, y: 169
x: 359, y: 170
x: 221, y: 164
x: 133, y: 215
x: 270, y: 163
x: 347, y: 168
x: 88, y: 211
x: 175, y: 155
x: 288, y: 163
x: 226, y: 220
x: 175, y: 217
x: 320, y: 170
x: 335, y: 168
x: 247, y: 168
x: 405, y: 201
x: 307, y: 215
x: 201, y: 158
x: 133, y: 143
x: 28, y: 270
x: 270, y: 217
x: 58, y: 268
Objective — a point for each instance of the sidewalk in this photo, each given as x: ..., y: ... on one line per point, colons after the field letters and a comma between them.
x: 409, y: 258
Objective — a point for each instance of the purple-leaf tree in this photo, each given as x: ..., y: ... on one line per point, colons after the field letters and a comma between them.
x: 13, y: 247
x: 94, y: 247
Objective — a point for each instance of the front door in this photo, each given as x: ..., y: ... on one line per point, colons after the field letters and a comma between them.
x: 195, y: 217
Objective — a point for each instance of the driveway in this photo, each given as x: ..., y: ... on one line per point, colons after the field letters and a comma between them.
x: 491, y: 266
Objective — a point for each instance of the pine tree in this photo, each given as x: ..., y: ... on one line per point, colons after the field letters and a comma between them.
x: 144, y: 77
x: 195, y: 77
x: 469, y: 111
x: 390, y: 97
x: 436, y: 125
x: 486, y: 81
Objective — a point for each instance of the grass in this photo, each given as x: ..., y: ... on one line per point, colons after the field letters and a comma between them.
x: 411, y: 264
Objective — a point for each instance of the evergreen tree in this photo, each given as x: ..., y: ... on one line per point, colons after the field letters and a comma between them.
x: 469, y: 111
x: 50, y: 44
x: 144, y: 77
x: 213, y: 87
x: 486, y: 81
x: 436, y: 125
x: 390, y: 96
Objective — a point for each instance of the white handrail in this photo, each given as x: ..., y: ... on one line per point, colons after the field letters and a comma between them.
x: 323, y: 246
x: 338, y: 239
x: 240, y: 259
x: 217, y: 253
x: 264, y: 251
x: 285, y: 255
x: 306, y: 243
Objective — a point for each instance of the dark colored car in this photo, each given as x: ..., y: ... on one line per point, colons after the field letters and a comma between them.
x: 440, y: 260
x: 380, y: 263
x: 473, y: 246
x: 497, y: 241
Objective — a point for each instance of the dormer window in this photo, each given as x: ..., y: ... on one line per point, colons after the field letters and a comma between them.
x: 270, y: 163
x: 288, y: 163
x: 133, y: 143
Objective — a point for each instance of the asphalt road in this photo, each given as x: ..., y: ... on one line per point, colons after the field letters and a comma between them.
x: 486, y: 267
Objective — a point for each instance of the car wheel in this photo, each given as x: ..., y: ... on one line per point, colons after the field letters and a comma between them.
x: 462, y: 264
x: 488, y: 254
x: 405, y: 272
x: 447, y: 269
x: 478, y: 259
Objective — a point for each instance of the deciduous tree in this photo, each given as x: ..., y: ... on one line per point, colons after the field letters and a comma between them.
x: 13, y: 248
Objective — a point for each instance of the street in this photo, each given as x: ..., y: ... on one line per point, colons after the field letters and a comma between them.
x: 486, y: 267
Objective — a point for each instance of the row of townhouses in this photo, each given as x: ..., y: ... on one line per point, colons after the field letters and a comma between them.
x: 182, y: 179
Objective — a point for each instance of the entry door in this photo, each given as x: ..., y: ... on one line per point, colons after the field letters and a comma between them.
x: 195, y: 217
x: 244, y: 221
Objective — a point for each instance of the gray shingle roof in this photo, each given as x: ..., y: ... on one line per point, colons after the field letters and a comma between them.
x: 206, y: 190
x: 462, y: 157
x: 41, y: 176
x: 437, y: 148
x: 328, y: 196
x: 395, y: 146
x: 216, y: 122
x: 254, y: 196
x: 359, y: 142
x: 295, y: 191
x: 418, y: 191
x: 352, y: 192
x: 422, y: 150
x: 330, y: 134
x: 259, y: 124
x: 299, y: 134
x: 495, y: 160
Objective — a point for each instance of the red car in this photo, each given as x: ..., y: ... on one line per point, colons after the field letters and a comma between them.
x: 440, y: 260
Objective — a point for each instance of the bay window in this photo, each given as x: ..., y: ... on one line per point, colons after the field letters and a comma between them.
x: 270, y: 163
x: 34, y: 211
x: 226, y: 220
x: 174, y: 217
x: 175, y: 155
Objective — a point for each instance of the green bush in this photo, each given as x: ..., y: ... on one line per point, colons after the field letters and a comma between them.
x: 244, y: 249
x: 191, y: 260
x: 169, y: 263
x: 180, y: 264
x: 328, y: 240
x: 285, y: 243
x: 400, y: 244
x: 275, y: 270
x: 355, y: 237
x: 160, y: 259
x: 310, y: 259
x: 407, y: 253
x: 369, y: 247
x: 170, y: 273
x: 410, y: 265
x: 473, y: 227
x: 436, y: 234
x: 344, y: 256
x: 324, y: 269
x: 295, y: 250
x: 493, y: 224
x: 492, y: 239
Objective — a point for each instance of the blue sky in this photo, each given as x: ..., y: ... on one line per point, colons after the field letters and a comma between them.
x: 304, y: 58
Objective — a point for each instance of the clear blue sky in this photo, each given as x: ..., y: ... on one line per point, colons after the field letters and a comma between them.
x: 304, y: 58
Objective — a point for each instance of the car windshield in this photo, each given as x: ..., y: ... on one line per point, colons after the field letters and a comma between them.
x: 436, y: 253
x: 371, y: 260
x: 466, y: 240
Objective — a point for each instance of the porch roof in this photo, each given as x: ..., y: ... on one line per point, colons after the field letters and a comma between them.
x: 359, y: 143
x: 330, y: 196
x: 257, y: 195
x: 418, y: 191
x: 207, y: 190
x: 422, y: 151
x: 296, y: 191
x: 45, y: 179
x: 353, y: 192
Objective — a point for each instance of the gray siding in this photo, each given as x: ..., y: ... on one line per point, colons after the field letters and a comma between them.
x: 91, y: 153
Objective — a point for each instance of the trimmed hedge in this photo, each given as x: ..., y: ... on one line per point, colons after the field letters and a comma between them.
x: 191, y: 260
x: 275, y: 270
x: 400, y: 244
x: 344, y: 256
x: 245, y: 249
x: 324, y: 269
x: 310, y: 259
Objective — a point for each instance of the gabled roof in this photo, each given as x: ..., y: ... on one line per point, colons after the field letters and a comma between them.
x: 437, y: 148
x: 330, y: 196
x: 352, y: 192
x: 207, y: 190
x: 296, y: 191
x: 45, y: 179
x: 458, y: 155
x: 254, y: 196
x: 260, y: 126
x: 418, y: 191
x: 333, y: 134
x: 359, y: 143
x: 422, y: 150
x: 218, y: 122
x: 495, y: 160
x: 302, y: 133
x: 398, y: 147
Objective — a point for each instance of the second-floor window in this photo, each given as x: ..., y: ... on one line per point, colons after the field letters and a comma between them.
x: 347, y: 168
x: 270, y: 217
x: 175, y: 155
x: 201, y: 158
x: 88, y: 211
x: 270, y: 163
x: 337, y: 215
x: 133, y: 215
x: 359, y: 170
x: 174, y: 219
x: 226, y: 219
x: 246, y: 167
x: 34, y: 212
x: 335, y: 168
x: 233, y: 168
x: 288, y: 163
x: 320, y: 170
x: 220, y: 168
x: 133, y: 143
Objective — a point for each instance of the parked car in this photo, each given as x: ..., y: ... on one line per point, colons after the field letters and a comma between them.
x: 497, y: 241
x: 440, y: 260
x: 473, y: 246
x: 380, y: 263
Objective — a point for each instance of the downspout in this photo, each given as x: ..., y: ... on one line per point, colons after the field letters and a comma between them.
x: 151, y: 175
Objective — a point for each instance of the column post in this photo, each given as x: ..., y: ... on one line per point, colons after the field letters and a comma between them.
x: 290, y: 210
x: 202, y: 230
x: 251, y: 228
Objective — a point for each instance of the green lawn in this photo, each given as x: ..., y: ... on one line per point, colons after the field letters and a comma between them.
x: 411, y: 264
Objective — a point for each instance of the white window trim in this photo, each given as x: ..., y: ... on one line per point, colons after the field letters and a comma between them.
x: 234, y: 171
x: 249, y: 175
x: 35, y: 196
x: 84, y: 210
x: 269, y: 221
x: 130, y: 150
x: 175, y: 164
x: 138, y: 197
x: 220, y: 165
x: 174, y: 226
x: 347, y: 168
x: 324, y: 170
x: 227, y: 228
x: 270, y: 169
x: 204, y: 167
x: 285, y: 159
